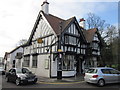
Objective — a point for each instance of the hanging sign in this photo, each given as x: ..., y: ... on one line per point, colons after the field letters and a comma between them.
x: 39, y: 40
x: 59, y: 50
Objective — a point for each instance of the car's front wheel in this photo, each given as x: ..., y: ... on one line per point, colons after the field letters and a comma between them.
x: 35, y: 81
x: 17, y: 81
x: 101, y: 83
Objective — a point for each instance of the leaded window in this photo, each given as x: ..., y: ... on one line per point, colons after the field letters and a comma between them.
x: 68, y: 62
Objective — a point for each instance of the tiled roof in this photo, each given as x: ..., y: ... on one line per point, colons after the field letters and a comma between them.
x: 55, y: 22
x: 89, y: 34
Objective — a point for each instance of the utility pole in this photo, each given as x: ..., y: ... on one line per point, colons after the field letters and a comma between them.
x: 59, y: 70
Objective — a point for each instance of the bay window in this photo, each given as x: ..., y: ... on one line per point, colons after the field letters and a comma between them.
x: 68, y: 62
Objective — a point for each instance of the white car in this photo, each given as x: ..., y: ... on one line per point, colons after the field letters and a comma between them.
x: 102, y: 76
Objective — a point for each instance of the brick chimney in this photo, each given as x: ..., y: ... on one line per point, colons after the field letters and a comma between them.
x: 45, y: 7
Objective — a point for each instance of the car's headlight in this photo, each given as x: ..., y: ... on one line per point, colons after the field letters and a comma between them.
x: 22, y: 78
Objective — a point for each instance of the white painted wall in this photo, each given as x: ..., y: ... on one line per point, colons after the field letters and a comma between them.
x: 11, y: 57
x: 26, y: 50
x: 40, y: 70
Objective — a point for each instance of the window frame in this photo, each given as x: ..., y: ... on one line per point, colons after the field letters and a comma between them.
x: 34, y: 61
x: 26, y: 60
x: 68, y: 62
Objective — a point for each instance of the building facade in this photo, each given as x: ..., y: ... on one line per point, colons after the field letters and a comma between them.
x: 13, y: 58
x: 58, y: 44
x: 94, y: 45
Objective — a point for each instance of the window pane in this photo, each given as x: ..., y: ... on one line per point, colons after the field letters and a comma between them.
x: 68, y: 62
x: 113, y: 71
x: 26, y: 61
x: 105, y: 71
x: 92, y: 71
x: 34, y: 63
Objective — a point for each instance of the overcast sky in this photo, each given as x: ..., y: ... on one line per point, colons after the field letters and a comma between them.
x: 17, y: 17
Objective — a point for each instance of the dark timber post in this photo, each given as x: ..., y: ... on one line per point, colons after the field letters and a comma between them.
x: 59, y: 70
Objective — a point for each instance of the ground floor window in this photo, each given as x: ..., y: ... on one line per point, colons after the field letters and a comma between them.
x: 34, y: 61
x: 26, y: 61
x: 68, y: 62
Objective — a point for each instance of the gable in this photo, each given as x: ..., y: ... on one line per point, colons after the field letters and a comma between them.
x: 42, y: 30
x: 74, y: 29
x: 89, y: 34
x: 47, y: 23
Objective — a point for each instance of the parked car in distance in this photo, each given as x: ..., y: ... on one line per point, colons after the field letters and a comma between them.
x: 2, y: 71
x: 102, y: 76
x: 20, y: 76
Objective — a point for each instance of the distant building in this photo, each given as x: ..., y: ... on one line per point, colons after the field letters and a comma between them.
x: 13, y: 58
x: 94, y: 45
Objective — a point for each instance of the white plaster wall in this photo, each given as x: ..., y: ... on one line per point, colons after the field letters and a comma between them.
x: 53, y: 67
x: 26, y: 50
x: 12, y: 57
x: 40, y: 70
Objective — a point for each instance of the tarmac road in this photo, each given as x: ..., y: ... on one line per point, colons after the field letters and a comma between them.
x: 39, y: 84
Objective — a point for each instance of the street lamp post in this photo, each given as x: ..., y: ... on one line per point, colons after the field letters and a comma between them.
x: 59, y: 70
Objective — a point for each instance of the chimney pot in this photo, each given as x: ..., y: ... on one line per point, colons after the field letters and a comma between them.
x: 82, y: 22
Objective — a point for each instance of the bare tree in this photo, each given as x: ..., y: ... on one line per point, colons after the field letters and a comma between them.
x: 21, y: 42
x: 111, y: 33
x: 94, y: 21
x: 107, y: 31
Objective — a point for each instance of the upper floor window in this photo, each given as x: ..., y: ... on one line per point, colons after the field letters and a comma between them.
x: 66, y: 39
x: 95, y: 45
x: 70, y: 40
x: 72, y: 30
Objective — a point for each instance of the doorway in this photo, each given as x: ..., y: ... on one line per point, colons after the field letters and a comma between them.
x: 13, y: 64
x: 79, y: 66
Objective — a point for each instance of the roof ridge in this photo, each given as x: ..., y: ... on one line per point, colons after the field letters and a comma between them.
x: 57, y: 17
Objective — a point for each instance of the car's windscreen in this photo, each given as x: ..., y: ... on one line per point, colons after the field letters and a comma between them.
x: 1, y: 68
x: 92, y: 71
x: 23, y: 70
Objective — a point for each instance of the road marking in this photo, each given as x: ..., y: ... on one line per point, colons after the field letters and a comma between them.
x: 60, y: 82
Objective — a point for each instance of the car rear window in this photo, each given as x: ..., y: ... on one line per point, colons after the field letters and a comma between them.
x: 92, y: 71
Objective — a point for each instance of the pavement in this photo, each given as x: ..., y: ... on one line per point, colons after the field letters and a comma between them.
x: 77, y: 79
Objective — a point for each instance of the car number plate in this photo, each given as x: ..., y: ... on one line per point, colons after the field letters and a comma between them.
x: 30, y: 80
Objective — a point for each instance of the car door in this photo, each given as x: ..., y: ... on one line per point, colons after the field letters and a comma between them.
x: 116, y: 75
x: 13, y: 74
x: 8, y: 74
x: 107, y: 76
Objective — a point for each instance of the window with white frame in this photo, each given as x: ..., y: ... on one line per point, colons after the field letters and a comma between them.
x: 26, y: 61
x: 34, y: 61
x: 68, y: 62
